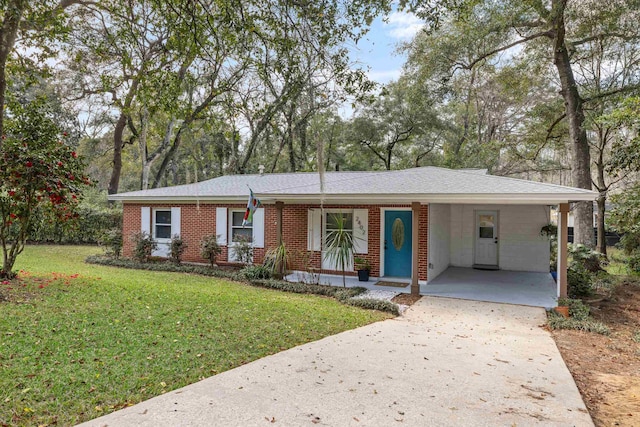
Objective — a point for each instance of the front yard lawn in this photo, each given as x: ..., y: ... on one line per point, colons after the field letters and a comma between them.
x: 78, y: 341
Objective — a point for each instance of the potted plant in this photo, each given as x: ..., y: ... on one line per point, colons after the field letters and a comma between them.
x: 549, y: 231
x: 363, y: 267
x: 563, y: 307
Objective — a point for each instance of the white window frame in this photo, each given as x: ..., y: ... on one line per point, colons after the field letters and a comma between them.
x: 326, y: 264
x: 232, y: 227
x: 326, y: 230
x: 155, y: 224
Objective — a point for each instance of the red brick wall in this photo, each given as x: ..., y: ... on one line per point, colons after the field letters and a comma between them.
x: 198, y: 221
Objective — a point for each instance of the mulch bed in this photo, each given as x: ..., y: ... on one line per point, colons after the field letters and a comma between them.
x: 607, y: 368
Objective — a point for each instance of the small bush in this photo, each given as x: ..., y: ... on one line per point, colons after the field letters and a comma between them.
x: 579, y: 282
x: 177, y: 248
x: 577, y: 309
x: 255, y: 272
x: 585, y: 258
x: 210, y: 249
x: 375, y: 304
x: 634, y: 261
x: 144, y: 245
x: 111, y: 240
x: 243, y: 251
x: 556, y: 321
x: 278, y: 260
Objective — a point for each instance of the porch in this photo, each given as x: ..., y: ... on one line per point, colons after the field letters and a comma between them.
x: 511, y: 287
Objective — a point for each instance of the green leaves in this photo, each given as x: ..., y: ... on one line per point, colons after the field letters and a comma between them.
x: 40, y: 176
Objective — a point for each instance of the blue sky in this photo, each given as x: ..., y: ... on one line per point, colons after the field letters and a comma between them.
x: 376, y: 51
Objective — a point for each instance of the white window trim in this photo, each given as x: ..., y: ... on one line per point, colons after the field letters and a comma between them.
x: 327, y: 212
x: 153, y: 224
x: 230, y: 227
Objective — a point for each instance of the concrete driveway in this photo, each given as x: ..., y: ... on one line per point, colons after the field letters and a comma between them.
x: 445, y: 362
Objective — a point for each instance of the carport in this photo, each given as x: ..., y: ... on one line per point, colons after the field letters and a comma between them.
x: 512, y: 287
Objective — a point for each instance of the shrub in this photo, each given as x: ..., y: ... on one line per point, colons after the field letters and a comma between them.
x: 375, y: 304
x: 177, y: 248
x: 255, y: 272
x: 556, y: 321
x: 210, y: 249
x: 586, y: 258
x: 243, y: 251
x: 579, y: 282
x: 277, y: 260
x: 634, y: 261
x: 577, y: 309
x: 162, y: 265
x: 90, y: 226
x: 111, y: 240
x: 144, y: 245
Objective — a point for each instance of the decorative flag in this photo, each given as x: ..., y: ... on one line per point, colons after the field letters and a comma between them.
x: 254, y: 203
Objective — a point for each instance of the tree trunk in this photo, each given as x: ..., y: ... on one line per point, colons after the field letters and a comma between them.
x: 144, y: 152
x: 581, y: 162
x: 8, y: 33
x: 114, y: 182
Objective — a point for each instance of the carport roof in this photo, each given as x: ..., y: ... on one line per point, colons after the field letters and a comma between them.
x: 425, y: 185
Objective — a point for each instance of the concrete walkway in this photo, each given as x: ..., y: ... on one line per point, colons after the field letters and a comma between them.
x: 445, y: 362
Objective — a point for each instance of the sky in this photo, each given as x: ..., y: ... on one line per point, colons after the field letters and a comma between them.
x: 377, y: 50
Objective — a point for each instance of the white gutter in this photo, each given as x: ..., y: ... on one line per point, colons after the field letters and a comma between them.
x: 497, y: 198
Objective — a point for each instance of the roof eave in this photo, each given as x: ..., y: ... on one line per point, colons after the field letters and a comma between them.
x: 436, y: 198
x: 176, y: 199
x: 525, y: 198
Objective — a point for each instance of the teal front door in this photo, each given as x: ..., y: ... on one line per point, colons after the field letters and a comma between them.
x: 397, y: 243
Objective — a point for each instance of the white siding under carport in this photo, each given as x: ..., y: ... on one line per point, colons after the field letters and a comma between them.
x: 439, y: 239
x: 521, y: 248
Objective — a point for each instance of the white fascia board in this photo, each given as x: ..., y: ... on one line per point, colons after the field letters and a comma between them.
x: 178, y: 199
x: 374, y: 199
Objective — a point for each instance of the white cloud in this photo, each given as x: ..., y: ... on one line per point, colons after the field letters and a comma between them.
x: 384, y: 76
x: 403, y: 25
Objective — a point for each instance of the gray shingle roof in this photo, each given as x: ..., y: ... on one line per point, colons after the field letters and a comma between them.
x: 421, y: 184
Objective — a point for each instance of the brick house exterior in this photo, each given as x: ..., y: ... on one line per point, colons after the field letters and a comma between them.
x: 436, y: 218
x: 199, y: 220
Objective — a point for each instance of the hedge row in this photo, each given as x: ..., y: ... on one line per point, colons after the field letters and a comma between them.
x: 164, y: 266
x: 89, y: 227
x: 344, y: 295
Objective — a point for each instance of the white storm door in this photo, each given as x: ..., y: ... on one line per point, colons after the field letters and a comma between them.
x: 486, y: 234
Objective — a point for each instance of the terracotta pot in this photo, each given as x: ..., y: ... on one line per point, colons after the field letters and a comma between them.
x: 562, y: 310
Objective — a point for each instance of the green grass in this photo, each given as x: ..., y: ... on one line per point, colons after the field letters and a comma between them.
x: 617, y: 263
x: 78, y: 340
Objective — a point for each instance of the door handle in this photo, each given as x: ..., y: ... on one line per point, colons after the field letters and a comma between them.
x: 385, y: 244
x: 495, y: 240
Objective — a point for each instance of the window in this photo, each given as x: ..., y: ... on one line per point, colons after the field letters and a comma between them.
x: 486, y: 226
x: 162, y: 224
x: 338, y: 220
x: 238, y: 233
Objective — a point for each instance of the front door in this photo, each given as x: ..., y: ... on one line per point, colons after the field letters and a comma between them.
x: 397, y: 243
x: 486, y: 238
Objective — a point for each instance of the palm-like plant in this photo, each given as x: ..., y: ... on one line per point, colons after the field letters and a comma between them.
x: 339, y: 245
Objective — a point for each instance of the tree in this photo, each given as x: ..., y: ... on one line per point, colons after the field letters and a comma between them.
x: 39, y: 175
x: 24, y: 18
x: 560, y: 29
